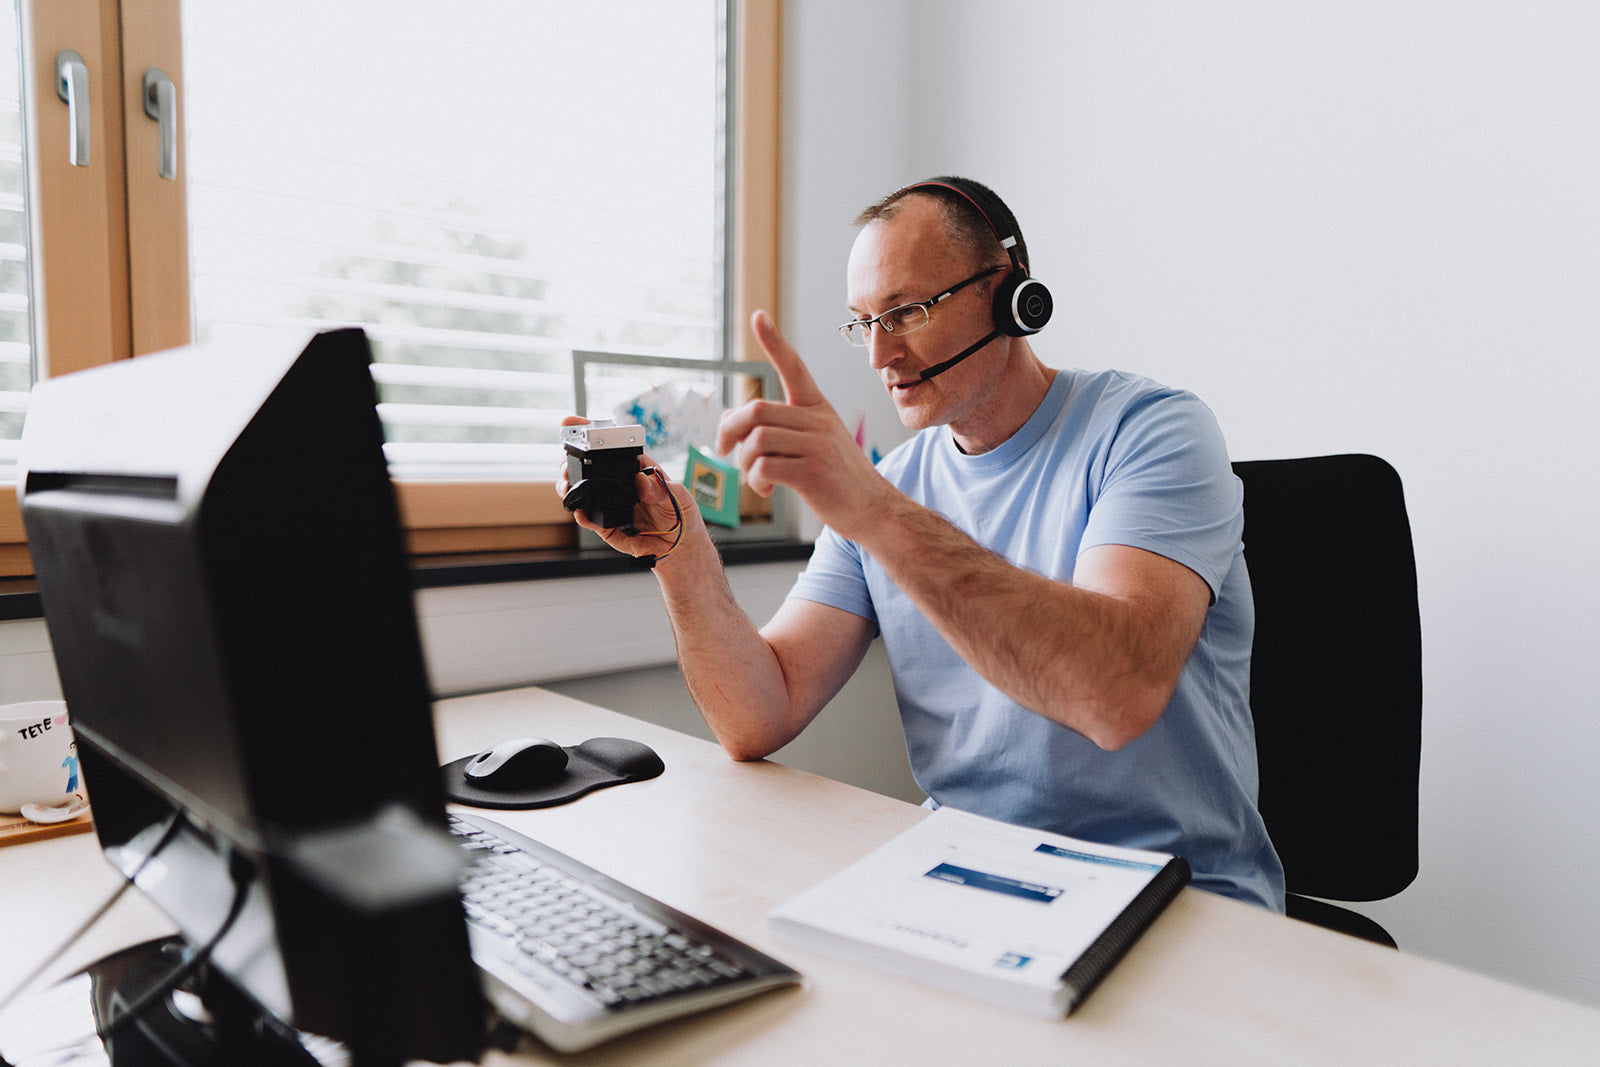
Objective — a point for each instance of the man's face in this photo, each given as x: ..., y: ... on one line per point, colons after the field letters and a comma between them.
x: 908, y: 258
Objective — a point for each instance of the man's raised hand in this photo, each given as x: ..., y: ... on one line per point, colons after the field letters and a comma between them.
x: 799, y: 442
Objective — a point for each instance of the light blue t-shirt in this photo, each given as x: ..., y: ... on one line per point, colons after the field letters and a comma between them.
x: 1108, y: 458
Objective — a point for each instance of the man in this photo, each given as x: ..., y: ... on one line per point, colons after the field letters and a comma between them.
x: 1053, y: 563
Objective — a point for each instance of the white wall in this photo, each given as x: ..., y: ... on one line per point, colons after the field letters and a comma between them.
x: 1366, y: 226
x: 27, y: 663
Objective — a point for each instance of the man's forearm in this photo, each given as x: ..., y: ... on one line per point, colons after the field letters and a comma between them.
x: 1101, y: 664
x: 732, y: 673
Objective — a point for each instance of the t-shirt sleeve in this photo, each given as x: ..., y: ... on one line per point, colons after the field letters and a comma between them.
x: 834, y: 577
x: 1166, y: 486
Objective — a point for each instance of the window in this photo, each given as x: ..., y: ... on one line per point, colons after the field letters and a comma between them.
x: 16, y: 316
x: 488, y: 187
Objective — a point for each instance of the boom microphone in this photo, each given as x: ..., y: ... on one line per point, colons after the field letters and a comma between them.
x: 940, y: 368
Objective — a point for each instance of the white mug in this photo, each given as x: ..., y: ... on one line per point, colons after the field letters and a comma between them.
x: 38, y: 758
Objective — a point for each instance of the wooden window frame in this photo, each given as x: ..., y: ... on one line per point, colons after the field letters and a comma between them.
x: 113, y: 215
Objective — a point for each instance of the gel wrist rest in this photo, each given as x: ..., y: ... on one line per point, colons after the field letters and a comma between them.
x: 595, y: 764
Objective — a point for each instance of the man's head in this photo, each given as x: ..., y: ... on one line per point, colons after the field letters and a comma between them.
x: 975, y: 217
x: 922, y: 285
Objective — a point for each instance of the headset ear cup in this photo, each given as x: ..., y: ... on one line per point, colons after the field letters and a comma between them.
x: 1022, y: 305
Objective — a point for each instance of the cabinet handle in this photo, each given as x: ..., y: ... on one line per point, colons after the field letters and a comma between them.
x: 72, y: 85
x: 161, y: 104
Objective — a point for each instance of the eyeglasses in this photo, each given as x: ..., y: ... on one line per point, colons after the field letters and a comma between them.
x: 907, y: 318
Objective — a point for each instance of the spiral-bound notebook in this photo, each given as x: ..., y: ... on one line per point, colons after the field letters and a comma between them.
x: 1022, y: 918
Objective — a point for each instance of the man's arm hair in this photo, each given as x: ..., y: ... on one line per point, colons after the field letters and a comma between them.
x: 756, y: 689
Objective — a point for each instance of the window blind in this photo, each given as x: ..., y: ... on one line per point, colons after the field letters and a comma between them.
x: 485, y: 187
x: 16, y: 319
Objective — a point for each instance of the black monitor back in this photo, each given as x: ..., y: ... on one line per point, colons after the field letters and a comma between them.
x: 221, y: 564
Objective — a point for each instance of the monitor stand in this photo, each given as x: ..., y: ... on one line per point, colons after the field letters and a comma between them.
x: 211, y: 1026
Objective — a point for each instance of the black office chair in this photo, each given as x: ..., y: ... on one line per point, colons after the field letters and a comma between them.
x: 1335, y: 679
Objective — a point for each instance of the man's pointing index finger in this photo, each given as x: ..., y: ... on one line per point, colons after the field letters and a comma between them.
x: 799, y: 388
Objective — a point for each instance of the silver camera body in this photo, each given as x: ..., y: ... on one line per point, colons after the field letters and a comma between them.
x: 602, y: 464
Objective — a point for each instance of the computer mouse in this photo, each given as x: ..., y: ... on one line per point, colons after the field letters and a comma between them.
x: 517, y: 763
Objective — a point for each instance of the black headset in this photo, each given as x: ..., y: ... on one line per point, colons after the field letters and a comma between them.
x: 1022, y: 304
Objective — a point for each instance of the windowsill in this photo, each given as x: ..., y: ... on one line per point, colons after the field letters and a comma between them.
x: 432, y: 572
x: 19, y: 597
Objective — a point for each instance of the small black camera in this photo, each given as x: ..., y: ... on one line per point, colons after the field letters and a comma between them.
x: 602, y: 463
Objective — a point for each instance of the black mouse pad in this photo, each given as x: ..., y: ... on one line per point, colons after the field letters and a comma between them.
x: 597, y: 763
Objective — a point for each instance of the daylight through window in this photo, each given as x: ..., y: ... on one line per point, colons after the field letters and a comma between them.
x: 485, y: 186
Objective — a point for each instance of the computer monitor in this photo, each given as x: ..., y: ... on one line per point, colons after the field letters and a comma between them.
x: 222, y: 569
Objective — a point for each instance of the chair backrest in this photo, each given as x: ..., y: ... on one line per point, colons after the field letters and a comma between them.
x: 1336, y: 673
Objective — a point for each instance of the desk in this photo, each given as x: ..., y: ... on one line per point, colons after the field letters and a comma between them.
x: 1212, y: 981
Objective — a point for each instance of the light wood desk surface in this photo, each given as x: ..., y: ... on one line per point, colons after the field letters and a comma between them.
x: 1213, y: 981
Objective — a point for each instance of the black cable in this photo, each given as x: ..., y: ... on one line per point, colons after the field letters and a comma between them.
x: 49, y: 961
x: 243, y: 873
x: 88, y: 924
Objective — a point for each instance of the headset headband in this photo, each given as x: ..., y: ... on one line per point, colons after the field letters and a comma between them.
x: 1007, y: 242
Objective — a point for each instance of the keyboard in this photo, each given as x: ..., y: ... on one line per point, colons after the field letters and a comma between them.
x: 576, y: 957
